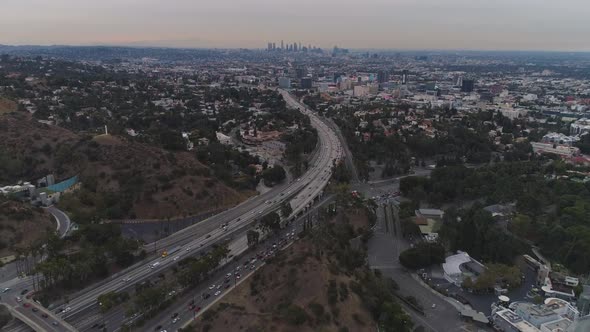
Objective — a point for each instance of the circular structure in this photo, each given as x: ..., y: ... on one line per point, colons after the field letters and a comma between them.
x: 503, y: 298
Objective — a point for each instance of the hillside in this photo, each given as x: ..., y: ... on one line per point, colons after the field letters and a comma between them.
x: 22, y: 225
x: 122, y: 178
x: 7, y: 105
x: 314, y: 285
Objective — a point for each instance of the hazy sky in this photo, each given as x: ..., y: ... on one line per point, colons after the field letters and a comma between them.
x: 399, y: 24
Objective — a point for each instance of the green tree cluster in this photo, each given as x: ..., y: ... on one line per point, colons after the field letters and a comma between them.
x: 423, y: 255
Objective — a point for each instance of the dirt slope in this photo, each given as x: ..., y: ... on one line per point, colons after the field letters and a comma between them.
x: 127, y: 178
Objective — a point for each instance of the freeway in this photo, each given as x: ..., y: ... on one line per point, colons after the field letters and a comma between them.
x: 300, y: 193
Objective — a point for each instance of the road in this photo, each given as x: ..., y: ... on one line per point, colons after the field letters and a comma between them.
x: 194, y: 239
x: 62, y: 220
x: 384, y: 249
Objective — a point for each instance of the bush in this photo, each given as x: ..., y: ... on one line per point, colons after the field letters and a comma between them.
x: 316, y: 308
x: 295, y: 315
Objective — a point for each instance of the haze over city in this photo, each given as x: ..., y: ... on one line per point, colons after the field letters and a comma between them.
x: 394, y: 24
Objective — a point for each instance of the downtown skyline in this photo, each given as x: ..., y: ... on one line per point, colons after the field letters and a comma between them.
x: 371, y: 24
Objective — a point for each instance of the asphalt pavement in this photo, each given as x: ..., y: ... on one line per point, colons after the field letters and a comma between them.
x: 383, y: 249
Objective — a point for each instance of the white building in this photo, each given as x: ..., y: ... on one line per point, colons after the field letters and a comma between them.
x: 222, y: 138
x: 562, y: 150
x: 360, y: 91
x: 458, y: 267
x: 580, y: 127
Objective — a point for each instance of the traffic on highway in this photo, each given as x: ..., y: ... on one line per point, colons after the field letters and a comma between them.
x: 300, y: 194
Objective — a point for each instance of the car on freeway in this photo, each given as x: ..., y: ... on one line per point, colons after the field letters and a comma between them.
x: 18, y: 299
x: 212, y: 286
x: 208, y: 236
x: 227, y: 286
x: 67, y: 309
x: 176, y: 258
x: 206, y: 295
x: 175, y: 315
x: 197, y: 309
x: 24, y: 291
x: 228, y: 275
x: 5, y: 290
x: 217, y: 293
x: 44, y: 315
x: 219, y: 286
x: 238, y: 276
x: 159, y: 327
x: 54, y: 323
x: 27, y: 305
x: 35, y: 309
x: 252, y: 267
x: 238, y: 268
x: 175, y: 320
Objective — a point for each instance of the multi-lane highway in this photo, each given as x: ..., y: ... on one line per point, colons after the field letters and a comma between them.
x: 300, y: 193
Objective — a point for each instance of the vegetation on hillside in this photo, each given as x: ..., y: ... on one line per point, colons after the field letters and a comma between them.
x: 553, y: 209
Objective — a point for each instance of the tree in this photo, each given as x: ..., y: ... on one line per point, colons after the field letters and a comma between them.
x: 253, y: 237
x: 423, y: 255
x: 286, y: 209
x: 271, y: 221
x: 273, y: 175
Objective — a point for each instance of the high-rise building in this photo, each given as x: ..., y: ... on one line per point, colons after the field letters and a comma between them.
x: 284, y: 83
x: 382, y: 76
x: 467, y: 85
x: 405, y: 77
x: 274, y: 46
x: 282, y: 45
x: 337, y: 77
x: 300, y: 71
x: 294, y: 47
x: 269, y: 46
x: 305, y: 83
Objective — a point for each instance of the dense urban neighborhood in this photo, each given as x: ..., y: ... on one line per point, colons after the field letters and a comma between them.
x: 293, y: 188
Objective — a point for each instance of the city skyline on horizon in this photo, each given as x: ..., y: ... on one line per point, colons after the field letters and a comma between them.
x: 523, y: 25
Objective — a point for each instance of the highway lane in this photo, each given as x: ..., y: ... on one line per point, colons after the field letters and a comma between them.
x: 265, y: 248
x: 194, y: 238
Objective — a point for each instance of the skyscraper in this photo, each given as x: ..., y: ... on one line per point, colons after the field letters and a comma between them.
x: 282, y: 45
x: 294, y: 47
x: 467, y: 85
x: 269, y: 46
x: 405, y: 77
x: 382, y: 76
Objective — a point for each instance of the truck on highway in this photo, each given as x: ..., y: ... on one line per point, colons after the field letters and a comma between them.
x: 166, y: 253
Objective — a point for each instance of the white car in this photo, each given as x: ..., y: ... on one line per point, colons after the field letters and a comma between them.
x: 219, y: 286
x: 217, y: 293
x: 68, y: 309
x: 228, y: 275
x: 212, y: 286
x: 175, y: 320
x: 5, y: 290
x: 176, y: 258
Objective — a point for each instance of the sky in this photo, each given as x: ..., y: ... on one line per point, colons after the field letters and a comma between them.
x: 385, y: 24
